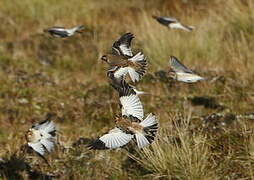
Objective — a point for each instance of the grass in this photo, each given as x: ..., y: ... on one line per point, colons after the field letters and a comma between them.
x: 73, y: 86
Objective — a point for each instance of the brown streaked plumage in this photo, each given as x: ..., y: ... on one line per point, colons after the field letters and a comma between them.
x: 126, y: 129
x: 122, y: 61
x: 135, y: 66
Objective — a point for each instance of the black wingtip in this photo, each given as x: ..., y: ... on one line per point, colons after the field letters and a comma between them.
x: 125, y: 89
x: 97, y: 145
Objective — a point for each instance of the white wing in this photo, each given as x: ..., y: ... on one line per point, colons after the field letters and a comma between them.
x: 48, y: 144
x: 188, y: 78
x: 149, y: 120
x: 141, y: 140
x: 131, y: 105
x: 125, y: 50
x: 121, y: 72
x: 37, y: 147
x: 115, y: 138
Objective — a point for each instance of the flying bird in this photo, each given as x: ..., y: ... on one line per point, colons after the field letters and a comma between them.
x: 118, y: 83
x: 122, y: 62
x: 41, y: 137
x: 130, y: 125
x: 182, y: 73
x: 123, y: 45
x: 172, y: 23
x: 62, y: 32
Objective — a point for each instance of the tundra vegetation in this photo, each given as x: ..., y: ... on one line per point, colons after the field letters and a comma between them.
x: 206, y: 128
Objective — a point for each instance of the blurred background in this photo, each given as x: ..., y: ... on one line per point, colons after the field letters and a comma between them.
x: 40, y: 74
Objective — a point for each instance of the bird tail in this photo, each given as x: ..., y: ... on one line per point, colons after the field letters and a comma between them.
x: 140, y: 67
x: 188, y: 28
x: 80, y: 28
x: 150, y: 129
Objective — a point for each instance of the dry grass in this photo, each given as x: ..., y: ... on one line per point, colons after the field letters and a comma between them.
x: 74, y: 87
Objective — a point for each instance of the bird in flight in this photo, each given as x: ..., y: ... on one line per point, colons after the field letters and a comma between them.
x: 129, y: 125
x: 62, y: 32
x: 172, y: 23
x: 181, y: 73
x: 41, y: 137
x: 118, y: 83
x: 122, y: 61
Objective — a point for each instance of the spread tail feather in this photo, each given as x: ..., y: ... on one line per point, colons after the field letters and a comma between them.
x: 151, y: 126
x: 138, y: 71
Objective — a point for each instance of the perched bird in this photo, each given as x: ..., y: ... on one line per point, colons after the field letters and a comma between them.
x: 41, y: 137
x: 182, y: 73
x: 122, y: 62
x: 62, y: 32
x: 172, y: 23
x: 129, y: 125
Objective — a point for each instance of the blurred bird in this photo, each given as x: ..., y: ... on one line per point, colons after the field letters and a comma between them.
x: 130, y: 124
x: 123, y: 45
x: 122, y: 62
x: 62, y: 32
x: 172, y: 23
x: 117, y: 83
x: 182, y: 73
x: 131, y: 105
x: 41, y: 137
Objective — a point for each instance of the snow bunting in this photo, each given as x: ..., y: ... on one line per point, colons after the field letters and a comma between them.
x: 123, y: 45
x: 117, y: 83
x: 130, y: 124
x: 172, y: 23
x: 62, y: 32
x: 42, y: 137
x: 182, y: 73
x: 126, y: 129
x: 122, y: 62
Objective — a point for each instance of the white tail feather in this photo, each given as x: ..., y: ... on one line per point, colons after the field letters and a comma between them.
x: 138, y: 57
x: 141, y: 140
x: 149, y: 120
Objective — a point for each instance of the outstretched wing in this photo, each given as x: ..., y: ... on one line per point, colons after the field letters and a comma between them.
x: 177, y: 66
x: 123, y: 45
x: 165, y: 20
x: 115, y: 138
x: 46, y: 127
x: 131, y: 106
x: 38, y: 147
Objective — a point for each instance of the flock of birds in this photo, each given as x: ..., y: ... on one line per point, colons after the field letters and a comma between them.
x: 131, y: 124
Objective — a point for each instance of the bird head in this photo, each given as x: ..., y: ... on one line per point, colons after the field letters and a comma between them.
x: 104, y: 58
x: 29, y: 135
x: 45, y: 30
x: 172, y: 74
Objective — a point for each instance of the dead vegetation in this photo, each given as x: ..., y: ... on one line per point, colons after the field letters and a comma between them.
x: 213, y: 139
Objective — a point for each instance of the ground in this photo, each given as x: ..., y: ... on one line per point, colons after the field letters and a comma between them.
x: 206, y: 129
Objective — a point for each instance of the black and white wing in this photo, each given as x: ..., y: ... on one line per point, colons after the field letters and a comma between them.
x: 131, y: 104
x: 165, y: 20
x: 177, y: 66
x: 38, y: 147
x: 47, y: 130
x: 123, y: 45
x: 115, y: 138
x: 46, y: 127
x: 58, y: 31
x: 135, y: 73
